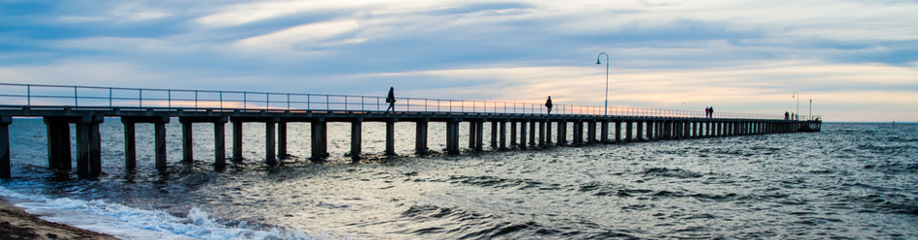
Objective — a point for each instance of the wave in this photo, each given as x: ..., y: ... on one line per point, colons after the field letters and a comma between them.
x: 457, y: 223
x: 127, y: 222
x: 672, y: 172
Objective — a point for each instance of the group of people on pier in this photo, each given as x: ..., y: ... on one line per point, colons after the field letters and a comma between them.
x: 791, y: 116
x: 709, y: 112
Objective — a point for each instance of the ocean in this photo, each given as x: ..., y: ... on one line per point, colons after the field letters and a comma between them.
x: 850, y: 181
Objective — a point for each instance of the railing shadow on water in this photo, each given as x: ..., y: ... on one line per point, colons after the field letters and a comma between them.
x: 38, y: 95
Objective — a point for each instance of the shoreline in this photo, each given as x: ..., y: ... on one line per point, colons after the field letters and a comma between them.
x: 16, y: 223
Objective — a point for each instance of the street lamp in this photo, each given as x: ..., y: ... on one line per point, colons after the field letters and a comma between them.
x: 797, y: 96
x: 810, y: 117
x: 606, y: 109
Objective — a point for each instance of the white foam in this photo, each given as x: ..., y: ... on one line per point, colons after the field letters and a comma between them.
x: 132, y: 223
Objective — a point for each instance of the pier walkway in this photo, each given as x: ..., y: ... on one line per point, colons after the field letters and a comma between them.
x: 512, y: 125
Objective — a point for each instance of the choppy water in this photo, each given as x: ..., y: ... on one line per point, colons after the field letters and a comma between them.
x: 848, y: 181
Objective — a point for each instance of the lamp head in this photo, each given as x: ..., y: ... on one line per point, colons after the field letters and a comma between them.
x: 597, y: 61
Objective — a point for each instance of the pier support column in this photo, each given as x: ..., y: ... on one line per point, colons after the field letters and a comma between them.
x: 562, y: 132
x: 357, y: 138
x: 390, y: 137
x: 650, y: 130
x: 479, y: 135
x: 503, y: 135
x: 548, y: 132
x: 513, y: 135
x: 628, y: 131
x: 494, y: 135
x: 640, y: 131
x: 187, y: 142
x: 523, y: 134
x: 452, y: 137
x: 659, y: 128
x: 542, y: 133
x: 695, y: 129
x: 271, y: 141
x: 734, y: 128
x: 618, y: 131
x: 89, y: 146
x: 5, y: 165
x: 604, y: 131
x: 282, y: 139
x: 130, y: 146
x: 220, y: 142
x: 472, y: 133
x: 667, y: 129
x: 237, y: 140
x: 420, y: 136
x: 532, y: 133
x: 159, y: 133
x: 58, y: 143
x: 578, y: 132
x: 677, y: 129
x: 319, y: 139
x: 591, y: 131
x: 710, y: 129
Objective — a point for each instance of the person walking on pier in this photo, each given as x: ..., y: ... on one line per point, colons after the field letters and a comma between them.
x: 548, y: 104
x: 391, y: 99
x: 786, y: 115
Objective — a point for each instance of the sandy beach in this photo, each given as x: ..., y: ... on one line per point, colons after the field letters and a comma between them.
x: 15, y: 223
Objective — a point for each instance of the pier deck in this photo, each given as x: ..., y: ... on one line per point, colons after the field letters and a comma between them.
x: 529, y: 125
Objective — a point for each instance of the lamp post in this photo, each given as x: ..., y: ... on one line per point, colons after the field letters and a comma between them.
x: 810, y: 116
x: 797, y: 96
x: 606, y: 109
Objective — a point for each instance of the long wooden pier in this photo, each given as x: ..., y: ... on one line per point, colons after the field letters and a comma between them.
x: 525, y: 126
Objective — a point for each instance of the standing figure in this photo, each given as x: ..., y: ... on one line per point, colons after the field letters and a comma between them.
x: 548, y: 104
x: 786, y: 116
x: 711, y: 110
x: 391, y: 99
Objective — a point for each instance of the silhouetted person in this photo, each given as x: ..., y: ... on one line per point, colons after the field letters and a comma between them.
x: 548, y: 104
x: 786, y: 116
x: 391, y: 99
x: 711, y: 110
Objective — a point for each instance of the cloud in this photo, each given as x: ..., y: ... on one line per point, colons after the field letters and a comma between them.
x: 309, y: 36
x: 736, y: 54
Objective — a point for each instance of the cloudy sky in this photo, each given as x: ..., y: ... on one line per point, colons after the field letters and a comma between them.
x: 856, y: 59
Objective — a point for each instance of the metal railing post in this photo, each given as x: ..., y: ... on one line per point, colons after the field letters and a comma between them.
x: 75, y: 101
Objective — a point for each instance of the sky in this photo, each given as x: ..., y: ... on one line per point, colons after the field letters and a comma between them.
x: 857, y: 60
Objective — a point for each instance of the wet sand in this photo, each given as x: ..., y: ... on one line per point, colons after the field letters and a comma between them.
x: 15, y: 223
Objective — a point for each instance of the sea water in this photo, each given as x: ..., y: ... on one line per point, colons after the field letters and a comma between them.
x: 848, y: 181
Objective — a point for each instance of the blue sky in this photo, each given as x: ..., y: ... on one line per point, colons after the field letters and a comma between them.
x: 857, y: 60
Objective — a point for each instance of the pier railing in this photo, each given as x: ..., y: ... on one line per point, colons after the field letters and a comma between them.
x: 38, y: 95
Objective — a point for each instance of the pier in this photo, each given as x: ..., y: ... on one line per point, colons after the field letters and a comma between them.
x: 511, y: 125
